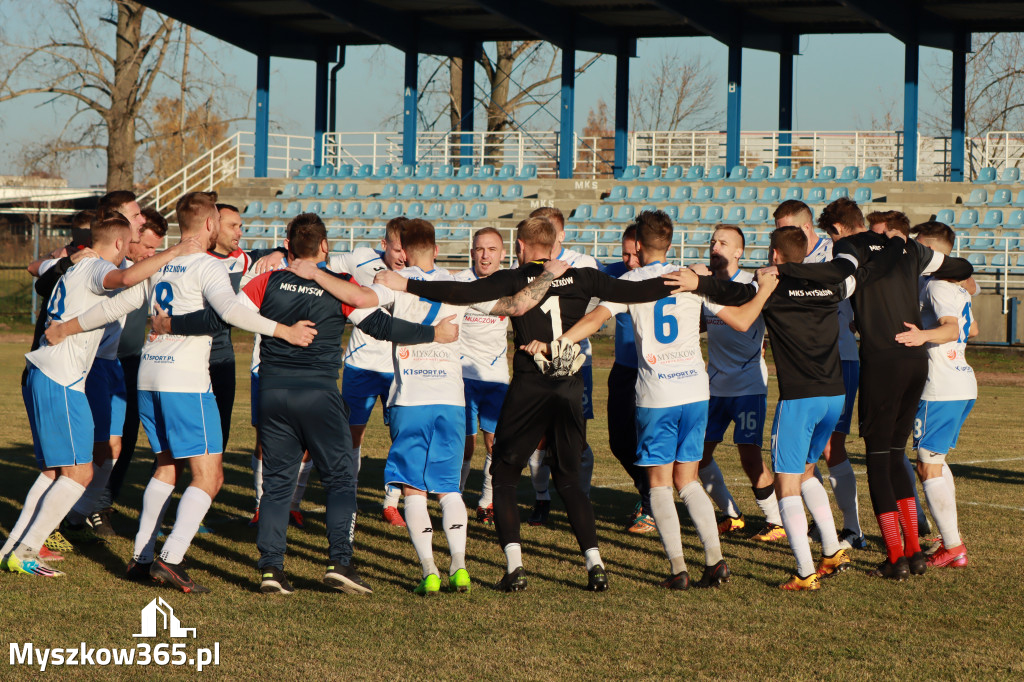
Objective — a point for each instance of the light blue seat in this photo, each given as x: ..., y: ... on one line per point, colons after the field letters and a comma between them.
x: 513, y: 193
x: 1015, y: 220
x: 451, y: 192
x: 406, y: 170
x: 254, y: 230
x: 804, y: 174
x: 414, y: 209
x: 365, y: 171
x: 983, y: 240
x: 690, y: 254
x: 672, y: 211
x: 313, y: 207
x: 862, y: 195
x: 456, y: 211
x: 759, y: 255
x: 372, y: 210
x: 713, y: 215
x: 485, y: 171
x: 291, y: 190
x: 626, y: 214
x: 977, y: 260
x: 435, y: 211
x: 1009, y: 176
x: 839, y: 193
x: 998, y: 262
x: 969, y: 218
x: 704, y: 195
x: 691, y: 214
x: 389, y: 191
x: 993, y: 218
x: 601, y: 251
x: 258, y: 244
x: 306, y: 171
x: 651, y: 173
x: 758, y: 215
x: 492, y: 193
x: 409, y: 192
x: 603, y: 214
x: 638, y: 195
x: 770, y: 195
x: 871, y: 174
x: 470, y: 192
x: 795, y: 193
x: 725, y: 195
x: 477, y: 212
x: 353, y: 210
x: 1018, y: 202
x: 310, y: 191
x: 393, y: 211
x: 761, y: 238
x: 985, y: 176
x: 586, y: 237
x: 507, y: 172
x: 673, y: 173
x: 759, y: 174
x: 715, y: 173
x: 349, y: 190
x: 1008, y: 240
x: 737, y: 174
x: 849, y: 174
x: 609, y: 236
x: 273, y: 209
x: 423, y: 171
x: 443, y: 171
x: 963, y: 239
x: 570, y: 235
x: 781, y: 174
x: 581, y: 214
x: 459, y: 234
x: 333, y: 210
x: 338, y: 233
x: 694, y: 172
x: 376, y: 233
x: 326, y: 171
x: 736, y: 215
x: 383, y: 171
x: 944, y: 216
x: 660, y: 194
x: 682, y: 194
x: 528, y: 171
x: 826, y: 174
x: 630, y: 173
x: 429, y: 192
x: 253, y: 209
x: 1001, y: 197
x: 617, y: 193
x: 617, y: 252
x: 748, y: 195
x: 1018, y: 268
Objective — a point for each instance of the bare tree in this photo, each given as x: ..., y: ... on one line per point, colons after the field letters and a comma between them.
x: 678, y: 93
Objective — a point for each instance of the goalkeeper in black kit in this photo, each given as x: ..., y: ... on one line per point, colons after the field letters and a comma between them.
x: 545, y: 397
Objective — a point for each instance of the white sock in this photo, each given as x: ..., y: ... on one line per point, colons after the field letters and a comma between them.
x: 456, y: 523
x: 487, y: 494
x: 28, y: 512
x: 300, y: 484
x: 392, y: 495
x: 540, y: 474
x: 794, y: 520
x: 922, y: 520
x: 359, y: 458
x: 769, y: 506
x: 947, y: 475
x: 257, y: 478
x: 816, y: 499
x: 53, y: 506
x: 513, y: 556
x: 192, y: 508
x: 586, y: 469
x: 943, y: 508
x: 154, y: 505
x: 714, y: 484
x: 844, y: 487
x: 593, y: 558
x: 666, y: 517
x: 421, y: 531
x: 702, y: 513
x: 466, y: 468
x: 86, y: 504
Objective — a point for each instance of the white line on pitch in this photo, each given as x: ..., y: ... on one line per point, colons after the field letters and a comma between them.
x: 996, y: 506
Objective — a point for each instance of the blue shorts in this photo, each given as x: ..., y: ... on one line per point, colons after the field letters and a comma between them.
x: 254, y: 398
x: 61, y: 421
x: 184, y: 424
x: 670, y: 434
x: 747, y: 412
x: 426, y: 447
x: 360, y: 388
x: 104, y: 387
x: 802, y: 428
x: 851, y: 379
x: 483, y: 401
x: 938, y: 423
x: 587, y: 372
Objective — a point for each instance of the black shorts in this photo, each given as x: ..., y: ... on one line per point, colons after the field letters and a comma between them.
x: 890, y: 389
x: 537, y: 407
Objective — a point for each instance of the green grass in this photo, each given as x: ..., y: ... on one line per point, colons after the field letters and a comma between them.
x: 953, y: 623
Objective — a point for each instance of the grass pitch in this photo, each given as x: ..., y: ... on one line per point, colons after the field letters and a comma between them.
x: 953, y: 623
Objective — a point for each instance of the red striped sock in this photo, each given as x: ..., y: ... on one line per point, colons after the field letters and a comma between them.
x: 889, y: 524
x: 908, y: 519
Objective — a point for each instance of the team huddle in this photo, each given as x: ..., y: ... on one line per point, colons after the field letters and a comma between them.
x: 432, y: 346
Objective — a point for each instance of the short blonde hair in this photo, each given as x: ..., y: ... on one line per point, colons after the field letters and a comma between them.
x: 536, y: 232
x: 194, y: 208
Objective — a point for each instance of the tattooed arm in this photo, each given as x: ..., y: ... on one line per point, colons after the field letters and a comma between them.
x: 530, y: 295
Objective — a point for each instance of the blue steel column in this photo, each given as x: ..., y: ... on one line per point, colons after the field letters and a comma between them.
x: 732, y: 121
x: 468, y: 103
x: 412, y: 60
x: 910, y: 80
x: 320, y: 111
x: 262, y: 141
x: 621, y: 112
x: 956, y: 141
x: 567, y: 122
x: 785, y: 109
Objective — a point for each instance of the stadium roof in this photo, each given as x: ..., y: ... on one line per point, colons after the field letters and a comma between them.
x: 312, y: 29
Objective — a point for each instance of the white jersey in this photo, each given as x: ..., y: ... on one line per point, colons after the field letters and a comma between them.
x: 78, y: 290
x: 363, y: 351
x: 949, y: 375
x: 427, y: 373
x: 484, y: 340
x: 736, y: 364
x: 848, y: 352
x: 671, y: 367
x: 112, y: 332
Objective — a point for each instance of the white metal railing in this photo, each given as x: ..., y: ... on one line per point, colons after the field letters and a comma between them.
x: 1003, y: 149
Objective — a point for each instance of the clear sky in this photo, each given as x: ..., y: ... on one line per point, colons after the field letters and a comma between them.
x: 842, y: 83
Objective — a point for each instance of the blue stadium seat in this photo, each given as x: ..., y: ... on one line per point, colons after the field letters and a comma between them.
x: 761, y: 238
x: 326, y: 171
x: 456, y: 211
x: 513, y: 193
x: 1018, y: 202
x: 310, y: 191
x: 507, y: 172
x: 759, y: 255
x: 781, y: 174
x: 703, y: 195
x: 291, y: 190
x: 682, y: 194
x: 365, y: 171
x: 348, y: 191
x: 736, y: 215
x: 998, y: 262
x: 353, y: 210
x: 343, y: 172
x: 435, y: 211
x: 1018, y: 268
x: 715, y: 173
x: 630, y: 173
x: 725, y: 195
x: 441, y: 233
x: 423, y: 171
x: 451, y: 192
x: 254, y: 229
x: 617, y: 193
x: 993, y: 218
x: 528, y: 171
x: 673, y: 173
x: 313, y: 207
x: 443, y: 171
x: 737, y: 174
x: 585, y: 237
x: 963, y: 239
x: 978, y: 197
x: 983, y: 240
x: 375, y: 233
x: 944, y: 216
x: 758, y: 216
x: 849, y: 174
x: 694, y: 172
x: 770, y: 195
x: 485, y: 171
x: 430, y: 191
x: 601, y: 251
x: 409, y: 192
x: 839, y: 193
x: 804, y: 174
x: 1015, y: 219
x: 393, y: 211
x: 414, y: 209
x: 388, y: 191
x: 372, y: 210
x: 759, y: 174
x: 638, y: 195
x: 383, y: 171
x: 333, y: 210
x: 969, y: 218
x: 492, y: 193
x: 626, y: 214
x: 862, y: 195
x: 470, y: 192
x: 1009, y: 176
x: 690, y: 254
x: 603, y: 214
x: 748, y: 195
x: 477, y: 212
x: 273, y: 209
x: 690, y: 215
x: 1001, y: 197
x: 609, y: 236
x: 306, y: 171
x: 1008, y: 240
x: 871, y: 174
x: 672, y: 211
x: 338, y: 233
x: 581, y: 214
x: 985, y: 176
x: 259, y: 244
x: 651, y: 173
x: 406, y: 170
x: 795, y: 192
x: 660, y: 194
x: 617, y: 252
x: 826, y: 174
x: 460, y: 234
x: 714, y: 215
x: 253, y: 209
x: 977, y: 260
x: 570, y: 235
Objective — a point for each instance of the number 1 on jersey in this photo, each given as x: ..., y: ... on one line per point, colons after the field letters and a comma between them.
x: 554, y: 311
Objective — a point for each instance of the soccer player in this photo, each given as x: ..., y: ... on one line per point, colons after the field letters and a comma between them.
x: 739, y: 394
x: 538, y: 405
x: 177, y: 408
x: 840, y: 472
x: 58, y: 409
x: 892, y: 375
x: 949, y: 394
x: 484, y: 365
x: 671, y: 401
x: 621, y: 404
